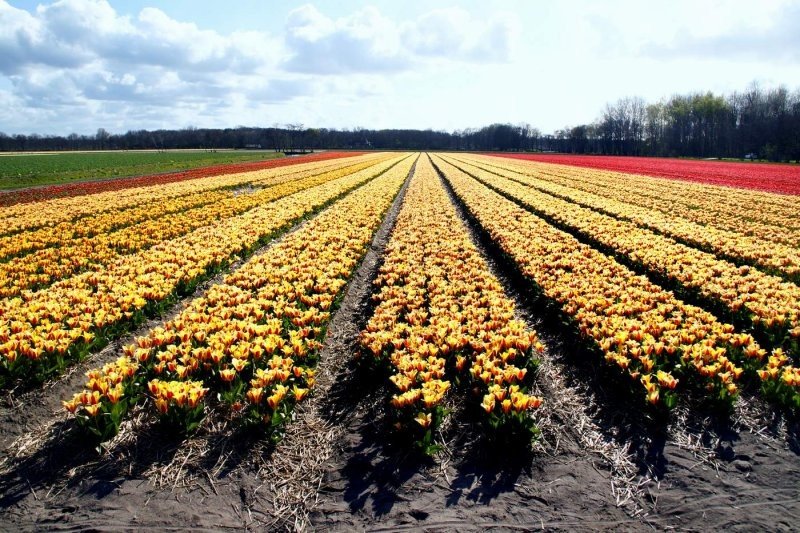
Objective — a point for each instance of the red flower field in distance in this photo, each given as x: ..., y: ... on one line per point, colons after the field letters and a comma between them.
x: 35, y: 194
x: 784, y: 179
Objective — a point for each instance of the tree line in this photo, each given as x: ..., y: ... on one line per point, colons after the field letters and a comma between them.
x: 757, y: 123
x: 289, y: 138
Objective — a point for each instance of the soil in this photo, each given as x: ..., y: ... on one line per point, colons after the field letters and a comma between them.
x: 598, y: 464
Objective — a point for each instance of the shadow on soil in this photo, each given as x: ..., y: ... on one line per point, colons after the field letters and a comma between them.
x: 377, y: 468
x: 65, y: 459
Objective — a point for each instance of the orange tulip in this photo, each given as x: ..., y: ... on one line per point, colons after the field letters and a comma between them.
x: 506, y: 405
x: 115, y: 394
x: 255, y: 395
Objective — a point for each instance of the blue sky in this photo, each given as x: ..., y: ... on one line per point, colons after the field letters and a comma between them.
x: 77, y: 65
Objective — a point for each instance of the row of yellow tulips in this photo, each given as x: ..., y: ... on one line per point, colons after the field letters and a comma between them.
x: 649, y: 334
x: 50, y: 213
x: 775, y: 214
x: 17, y: 244
x: 254, y: 339
x: 154, y: 205
x: 440, y: 311
x: 43, y: 267
x: 753, y: 299
x: 40, y: 332
x: 772, y: 257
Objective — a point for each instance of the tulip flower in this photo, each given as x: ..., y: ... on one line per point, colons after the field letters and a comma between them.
x: 488, y: 403
x: 227, y: 374
x: 424, y: 419
x: 255, y: 394
x: 299, y: 393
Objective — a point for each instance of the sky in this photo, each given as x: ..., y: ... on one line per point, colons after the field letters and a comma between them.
x: 79, y: 65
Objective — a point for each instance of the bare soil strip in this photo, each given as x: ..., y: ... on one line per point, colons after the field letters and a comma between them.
x: 301, y: 460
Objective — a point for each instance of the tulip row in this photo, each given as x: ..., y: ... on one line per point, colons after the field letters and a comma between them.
x: 771, y: 257
x: 48, y: 213
x: 254, y: 339
x: 760, y: 221
x: 748, y: 296
x: 440, y: 309
x: 41, y: 332
x: 102, y: 404
x: 21, y: 243
x: 153, y: 206
x: 43, y: 267
x: 642, y: 329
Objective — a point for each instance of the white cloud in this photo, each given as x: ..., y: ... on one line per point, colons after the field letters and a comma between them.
x: 82, y: 54
x: 25, y: 40
x: 82, y: 59
x: 779, y: 43
x: 363, y: 42
x: 726, y: 30
x: 70, y: 33
x: 455, y: 34
x: 368, y: 42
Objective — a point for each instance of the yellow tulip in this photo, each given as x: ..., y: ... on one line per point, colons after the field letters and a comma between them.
x: 424, y: 419
x: 488, y: 403
x: 299, y: 393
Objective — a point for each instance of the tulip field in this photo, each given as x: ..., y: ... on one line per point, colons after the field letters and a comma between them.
x: 363, y: 316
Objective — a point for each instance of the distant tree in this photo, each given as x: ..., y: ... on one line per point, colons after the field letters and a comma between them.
x: 293, y: 136
x: 102, y: 137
